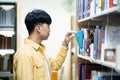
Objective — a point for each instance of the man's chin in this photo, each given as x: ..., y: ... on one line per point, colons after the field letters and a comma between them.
x: 46, y: 38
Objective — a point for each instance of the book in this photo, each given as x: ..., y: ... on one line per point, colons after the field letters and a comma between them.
x: 105, y: 75
x: 79, y: 9
x: 111, y: 3
x: 99, y: 43
x: 88, y: 42
x: 85, y: 70
x: 96, y: 42
x: 98, y: 6
x: 106, y: 5
x: 79, y: 38
x: 87, y: 8
x: 82, y: 9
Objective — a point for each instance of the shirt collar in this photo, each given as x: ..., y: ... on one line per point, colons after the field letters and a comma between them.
x: 36, y: 46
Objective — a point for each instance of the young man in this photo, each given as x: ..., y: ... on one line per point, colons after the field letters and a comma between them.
x: 30, y: 61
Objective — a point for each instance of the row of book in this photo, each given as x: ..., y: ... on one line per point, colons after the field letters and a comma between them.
x: 85, y: 37
x: 6, y: 42
x: 7, y: 17
x: 86, y: 8
x: 99, y: 43
x: 104, y: 75
x: 96, y: 72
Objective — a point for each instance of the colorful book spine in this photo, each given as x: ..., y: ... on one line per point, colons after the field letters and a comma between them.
x: 79, y: 37
x: 111, y: 3
x: 106, y: 4
x: 88, y: 42
x: 104, y: 75
x: 84, y: 42
x: 92, y: 7
x: 96, y: 42
x: 99, y: 43
x: 86, y: 69
x: 83, y: 9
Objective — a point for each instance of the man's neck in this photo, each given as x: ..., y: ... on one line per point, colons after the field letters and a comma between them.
x: 35, y: 39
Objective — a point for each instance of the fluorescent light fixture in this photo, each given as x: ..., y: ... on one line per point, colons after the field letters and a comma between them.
x: 8, y: 0
x: 7, y: 7
x: 7, y: 33
x: 6, y: 51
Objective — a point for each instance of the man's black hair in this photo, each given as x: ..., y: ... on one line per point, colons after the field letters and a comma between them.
x: 35, y: 17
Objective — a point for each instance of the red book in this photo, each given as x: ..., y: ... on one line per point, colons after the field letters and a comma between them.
x: 110, y: 3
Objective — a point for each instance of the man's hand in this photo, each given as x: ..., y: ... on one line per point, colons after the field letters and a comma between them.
x: 68, y: 37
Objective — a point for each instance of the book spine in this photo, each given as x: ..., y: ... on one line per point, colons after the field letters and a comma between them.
x: 83, y: 9
x: 99, y: 43
x: 84, y: 42
x: 106, y: 4
x: 88, y: 42
x: 110, y: 3
x: 96, y: 42
x: 79, y: 37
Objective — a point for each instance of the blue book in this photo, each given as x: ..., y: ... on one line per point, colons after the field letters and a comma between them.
x: 96, y: 41
x: 83, y: 9
x: 84, y: 41
x: 106, y: 4
x: 79, y: 38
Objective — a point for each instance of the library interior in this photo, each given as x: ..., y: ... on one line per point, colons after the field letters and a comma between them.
x: 91, y: 54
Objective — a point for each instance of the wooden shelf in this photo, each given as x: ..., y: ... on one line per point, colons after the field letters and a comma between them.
x: 6, y: 2
x: 104, y: 63
x: 7, y: 26
x: 84, y: 57
x: 112, y: 10
x: 112, y: 13
x: 7, y: 51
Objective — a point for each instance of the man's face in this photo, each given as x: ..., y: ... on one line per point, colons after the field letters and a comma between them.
x: 44, y: 31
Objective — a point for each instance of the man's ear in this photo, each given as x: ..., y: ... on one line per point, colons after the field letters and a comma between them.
x: 38, y: 28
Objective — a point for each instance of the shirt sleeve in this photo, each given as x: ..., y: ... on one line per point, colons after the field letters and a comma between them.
x: 57, y: 62
x: 23, y: 68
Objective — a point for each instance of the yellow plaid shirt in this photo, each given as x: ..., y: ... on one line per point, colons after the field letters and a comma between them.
x: 30, y: 62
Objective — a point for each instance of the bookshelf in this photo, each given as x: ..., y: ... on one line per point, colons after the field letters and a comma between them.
x: 101, y: 17
x: 7, y: 38
x: 98, y: 20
